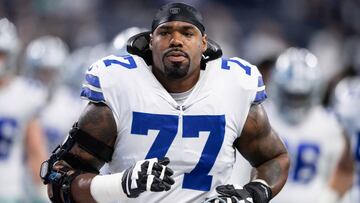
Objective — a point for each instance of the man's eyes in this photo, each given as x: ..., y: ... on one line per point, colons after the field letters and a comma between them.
x: 189, y: 34
x: 186, y: 33
x: 164, y: 33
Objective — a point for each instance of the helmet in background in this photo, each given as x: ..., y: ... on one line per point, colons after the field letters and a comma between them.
x: 118, y: 44
x: 44, y: 58
x: 346, y: 101
x: 9, y: 46
x: 295, y: 84
x: 75, y: 66
x: 78, y: 61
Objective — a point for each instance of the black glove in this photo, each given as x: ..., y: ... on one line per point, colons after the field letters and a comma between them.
x: 147, y: 175
x: 253, y: 192
x: 260, y: 192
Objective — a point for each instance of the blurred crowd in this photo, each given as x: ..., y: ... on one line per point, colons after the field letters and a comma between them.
x: 50, y: 44
x: 256, y: 30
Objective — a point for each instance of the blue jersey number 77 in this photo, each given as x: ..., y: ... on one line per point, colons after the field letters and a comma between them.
x: 198, y: 178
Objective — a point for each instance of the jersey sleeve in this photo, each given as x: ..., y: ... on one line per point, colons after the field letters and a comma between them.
x: 91, y: 89
x: 260, y: 95
x: 252, y: 78
x: 256, y: 83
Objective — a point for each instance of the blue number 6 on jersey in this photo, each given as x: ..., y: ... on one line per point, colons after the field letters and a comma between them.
x: 198, y: 178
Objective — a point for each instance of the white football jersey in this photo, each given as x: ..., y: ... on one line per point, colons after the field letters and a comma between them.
x: 60, y: 114
x: 315, y: 146
x: 20, y: 101
x: 197, y: 136
x: 348, y: 109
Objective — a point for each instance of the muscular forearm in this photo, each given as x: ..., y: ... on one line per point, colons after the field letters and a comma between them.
x: 342, y: 177
x: 264, y: 150
x: 36, y: 148
x: 80, y: 188
x: 274, y: 172
x: 341, y: 181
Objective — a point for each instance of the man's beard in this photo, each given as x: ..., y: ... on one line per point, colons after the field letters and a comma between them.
x: 176, y: 70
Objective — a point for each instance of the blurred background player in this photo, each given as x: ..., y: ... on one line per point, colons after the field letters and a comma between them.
x: 312, y: 135
x: 118, y: 44
x: 21, y: 136
x: 324, y: 26
x: 45, y: 60
x: 346, y: 101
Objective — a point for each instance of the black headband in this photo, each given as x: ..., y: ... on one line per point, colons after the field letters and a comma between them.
x: 178, y: 12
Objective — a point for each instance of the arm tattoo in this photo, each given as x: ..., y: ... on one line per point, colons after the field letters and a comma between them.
x: 258, y: 142
x: 263, y: 148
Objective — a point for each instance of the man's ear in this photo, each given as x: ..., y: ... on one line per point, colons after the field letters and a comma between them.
x: 150, y: 42
x: 204, y: 43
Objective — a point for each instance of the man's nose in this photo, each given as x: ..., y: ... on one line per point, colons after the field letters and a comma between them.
x: 176, y: 40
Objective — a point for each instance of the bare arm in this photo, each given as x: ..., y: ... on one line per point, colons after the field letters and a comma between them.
x: 342, y: 178
x: 262, y: 147
x: 96, y: 120
x: 35, y: 147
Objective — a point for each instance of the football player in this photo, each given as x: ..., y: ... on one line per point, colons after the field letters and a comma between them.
x: 57, y: 117
x: 168, y: 120
x: 44, y: 59
x: 312, y: 135
x: 346, y: 100
x: 20, y: 132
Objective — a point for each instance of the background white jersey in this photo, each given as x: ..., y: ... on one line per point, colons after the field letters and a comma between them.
x: 315, y: 146
x: 20, y: 100
x: 60, y: 114
x: 197, y: 136
x: 348, y: 109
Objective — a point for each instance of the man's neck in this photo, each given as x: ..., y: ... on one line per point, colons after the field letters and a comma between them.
x: 178, y: 85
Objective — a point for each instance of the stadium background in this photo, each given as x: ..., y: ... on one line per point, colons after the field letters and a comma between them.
x: 256, y: 30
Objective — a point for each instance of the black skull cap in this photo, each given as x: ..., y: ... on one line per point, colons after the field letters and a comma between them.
x: 178, y: 12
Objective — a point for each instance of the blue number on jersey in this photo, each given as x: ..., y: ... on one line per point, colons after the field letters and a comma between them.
x: 225, y: 65
x: 357, y: 148
x: 357, y: 155
x: 305, y: 167
x: 167, y: 126
x: 8, y: 128
x: 198, y: 178
x: 129, y: 62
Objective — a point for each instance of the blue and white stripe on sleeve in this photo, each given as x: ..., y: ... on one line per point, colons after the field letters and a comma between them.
x: 91, y: 89
x: 261, y: 93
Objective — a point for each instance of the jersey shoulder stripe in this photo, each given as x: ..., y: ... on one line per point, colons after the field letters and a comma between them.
x: 106, y: 69
x: 92, y: 95
x: 92, y: 80
x: 248, y: 74
x: 91, y: 88
x: 261, y: 93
